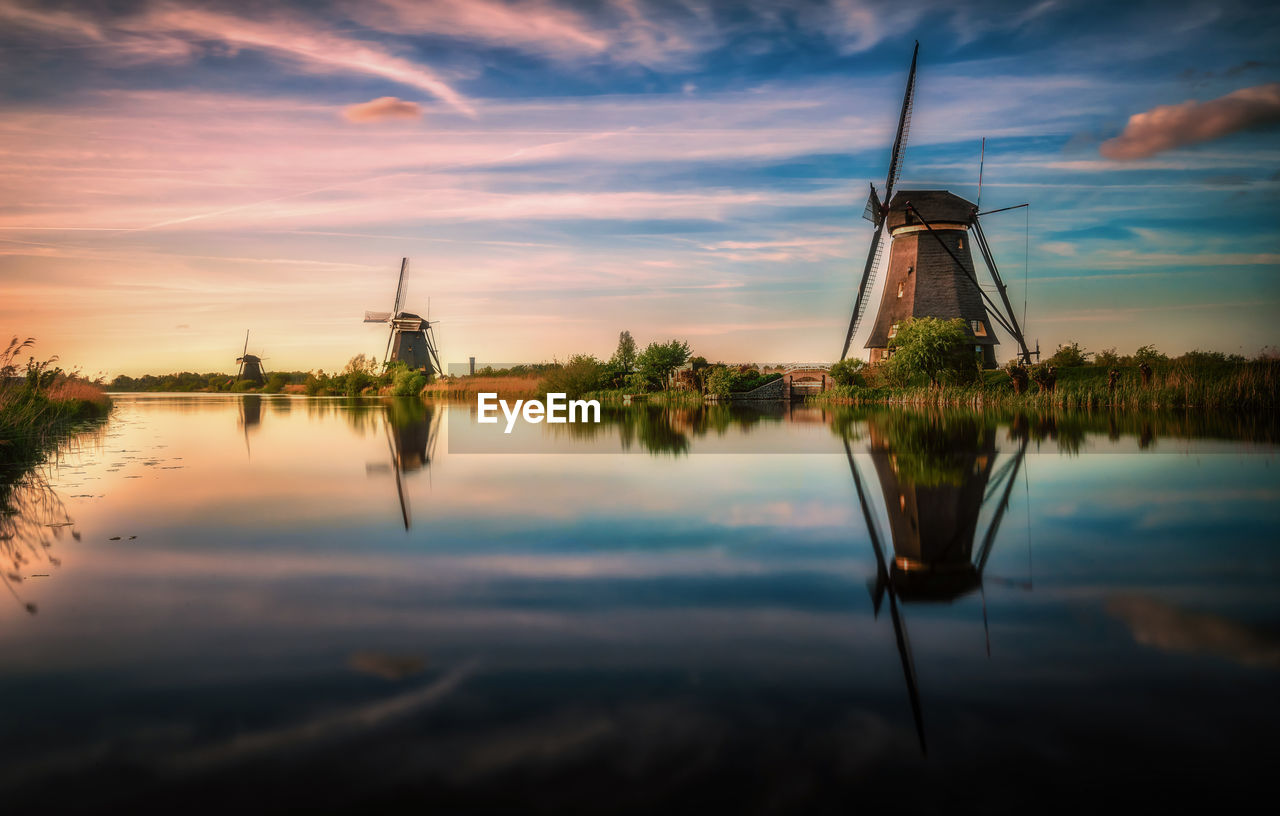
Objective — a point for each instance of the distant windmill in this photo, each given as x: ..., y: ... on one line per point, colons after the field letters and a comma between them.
x: 250, y: 365
x: 931, y: 272
x: 411, y: 340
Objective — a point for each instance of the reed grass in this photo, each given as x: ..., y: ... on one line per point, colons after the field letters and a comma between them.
x: 1225, y: 387
x: 40, y: 406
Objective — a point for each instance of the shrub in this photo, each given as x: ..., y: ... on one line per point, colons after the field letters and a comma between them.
x: 1149, y: 355
x: 407, y: 383
x: 581, y: 374
x: 848, y: 372
x: 275, y: 383
x: 1069, y: 355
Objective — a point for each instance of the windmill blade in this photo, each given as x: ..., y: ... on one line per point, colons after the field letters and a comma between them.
x: 860, y: 302
x: 404, y: 267
x: 386, y: 355
x: 872, y: 212
x: 246, y: 343
x: 904, y: 125
x: 377, y: 317
x: 431, y: 348
x: 879, y: 213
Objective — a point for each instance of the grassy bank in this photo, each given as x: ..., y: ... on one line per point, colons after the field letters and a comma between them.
x: 1227, y: 386
x: 40, y: 406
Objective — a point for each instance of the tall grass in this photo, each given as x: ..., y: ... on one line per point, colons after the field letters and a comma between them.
x: 1224, y: 387
x: 40, y: 405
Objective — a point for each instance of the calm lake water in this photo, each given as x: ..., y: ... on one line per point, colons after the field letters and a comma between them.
x: 270, y: 603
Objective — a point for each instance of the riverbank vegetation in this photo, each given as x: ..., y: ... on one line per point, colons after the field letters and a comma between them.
x: 932, y: 364
x: 40, y: 404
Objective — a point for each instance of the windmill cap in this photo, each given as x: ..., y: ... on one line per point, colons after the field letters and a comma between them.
x: 935, y: 206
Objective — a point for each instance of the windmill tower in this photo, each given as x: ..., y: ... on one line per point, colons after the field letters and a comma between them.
x: 411, y: 340
x: 250, y: 365
x: 930, y: 271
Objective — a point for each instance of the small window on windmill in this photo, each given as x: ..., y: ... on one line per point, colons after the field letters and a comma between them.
x: 959, y: 243
x: 893, y: 330
x: 901, y: 287
x: 910, y: 269
x: 979, y: 328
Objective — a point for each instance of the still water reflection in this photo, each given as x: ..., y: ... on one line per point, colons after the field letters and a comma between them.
x: 265, y: 603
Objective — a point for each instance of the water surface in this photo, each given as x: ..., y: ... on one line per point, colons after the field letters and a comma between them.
x: 264, y: 603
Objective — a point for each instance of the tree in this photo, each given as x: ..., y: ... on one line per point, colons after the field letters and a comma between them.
x: 930, y: 346
x: 1107, y: 358
x: 1148, y: 354
x: 361, y: 364
x: 658, y: 360
x: 625, y: 357
x: 847, y: 372
x: 580, y: 375
x: 1069, y: 355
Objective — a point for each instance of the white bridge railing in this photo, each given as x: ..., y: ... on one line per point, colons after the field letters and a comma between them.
x: 806, y: 366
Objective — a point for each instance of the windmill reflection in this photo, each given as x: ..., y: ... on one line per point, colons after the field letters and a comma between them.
x: 411, y: 428
x: 250, y: 417
x: 936, y: 475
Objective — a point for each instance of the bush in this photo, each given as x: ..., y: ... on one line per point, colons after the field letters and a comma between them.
x: 275, y: 383
x: 1149, y: 355
x: 241, y: 386
x: 406, y: 383
x: 848, y: 372
x: 1069, y: 355
x: 581, y: 374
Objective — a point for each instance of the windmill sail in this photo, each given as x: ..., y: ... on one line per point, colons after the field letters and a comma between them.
x: 891, y: 179
x: 377, y: 317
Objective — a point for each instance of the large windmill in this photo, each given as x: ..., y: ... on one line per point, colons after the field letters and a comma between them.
x: 250, y: 365
x: 411, y: 340
x: 930, y: 271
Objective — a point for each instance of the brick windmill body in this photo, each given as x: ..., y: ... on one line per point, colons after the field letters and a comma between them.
x: 931, y: 271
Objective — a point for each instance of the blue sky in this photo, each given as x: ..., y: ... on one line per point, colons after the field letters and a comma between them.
x: 176, y: 173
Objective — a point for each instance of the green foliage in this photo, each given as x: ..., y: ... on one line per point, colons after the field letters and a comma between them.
x: 699, y: 363
x: 1107, y: 358
x: 848, y: 372
x: 39, y: 404
x: 241, y: 386
x: 625, y: 356
x: 581, y: 374
x: 929, y: 346
x: 638, y: 382
x: 658, y: 360
x: 720, y: 381
x: 275, y: 383
x: 1209, y: 358
x: 1069, y: 355
x: 407, y: 383
x: 1149, y: 355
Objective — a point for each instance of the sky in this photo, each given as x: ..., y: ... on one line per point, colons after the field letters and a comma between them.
x: 173, y: 174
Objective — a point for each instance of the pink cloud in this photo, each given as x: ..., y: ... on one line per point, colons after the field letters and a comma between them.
x: 381, y: 109
x: 1169, y: 126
